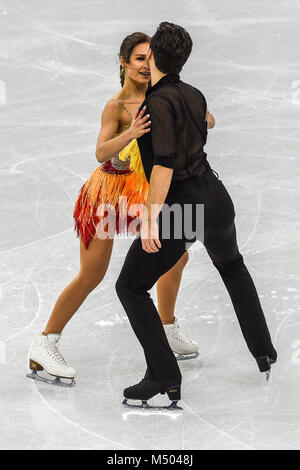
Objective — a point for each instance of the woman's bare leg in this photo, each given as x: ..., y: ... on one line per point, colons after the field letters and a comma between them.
x: 167, y: 290
x: 93, y: 265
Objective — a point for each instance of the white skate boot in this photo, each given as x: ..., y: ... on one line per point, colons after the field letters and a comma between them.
x: 44, y: 355
x: 182, y: 347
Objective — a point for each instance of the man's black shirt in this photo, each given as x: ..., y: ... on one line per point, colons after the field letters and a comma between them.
x: 178, y: 128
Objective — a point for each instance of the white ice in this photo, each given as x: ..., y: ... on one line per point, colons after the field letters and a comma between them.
x: 58, y: 69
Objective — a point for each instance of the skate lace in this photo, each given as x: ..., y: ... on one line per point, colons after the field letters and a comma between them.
x: 54, y: 353
x: 177, y: 335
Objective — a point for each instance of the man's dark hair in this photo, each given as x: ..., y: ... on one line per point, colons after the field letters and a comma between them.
x: 171, y: 46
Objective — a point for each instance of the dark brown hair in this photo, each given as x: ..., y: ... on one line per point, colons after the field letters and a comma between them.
x: 127, y: 47
x: 171, y: 46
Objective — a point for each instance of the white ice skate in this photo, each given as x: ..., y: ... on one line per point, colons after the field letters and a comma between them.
x: 182, y: 347
x: 44, y: 355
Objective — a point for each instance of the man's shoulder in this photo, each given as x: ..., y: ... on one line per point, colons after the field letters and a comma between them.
x: 191, y: 88
x: 159, y: 97
x: 166, y: 93
x: 162, y: 91
x: 171, y: 89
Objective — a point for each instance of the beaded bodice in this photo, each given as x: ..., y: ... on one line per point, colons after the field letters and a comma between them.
x: 119, y: 165
x: 116, y: 162
x: 115, y: 165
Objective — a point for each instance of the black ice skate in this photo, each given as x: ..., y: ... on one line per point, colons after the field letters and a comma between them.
x: 147, y: 389
x: 265, y: 363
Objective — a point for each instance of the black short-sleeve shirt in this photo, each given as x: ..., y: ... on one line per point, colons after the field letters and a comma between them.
x: 178, y: 128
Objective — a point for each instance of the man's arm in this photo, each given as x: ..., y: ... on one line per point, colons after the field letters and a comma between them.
x: 160, y: 181
x: 164, y: 145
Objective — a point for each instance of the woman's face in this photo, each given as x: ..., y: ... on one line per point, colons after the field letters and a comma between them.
x: 138, y: 69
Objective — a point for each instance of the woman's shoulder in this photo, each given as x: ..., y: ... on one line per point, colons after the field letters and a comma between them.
x: 113, y: 111
x: 115, y: 100
x: 120, y: 99
x: 112, y: 107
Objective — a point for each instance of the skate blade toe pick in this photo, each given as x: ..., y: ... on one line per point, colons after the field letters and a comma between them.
x: 265, y: 366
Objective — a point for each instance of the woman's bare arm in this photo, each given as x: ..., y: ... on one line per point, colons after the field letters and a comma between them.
x: 107, y: 144
x: 210, y: 120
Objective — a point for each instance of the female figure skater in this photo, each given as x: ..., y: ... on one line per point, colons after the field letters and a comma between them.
x: 107, y: 183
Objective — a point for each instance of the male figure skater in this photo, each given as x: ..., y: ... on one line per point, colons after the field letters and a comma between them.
x: 176, y: 167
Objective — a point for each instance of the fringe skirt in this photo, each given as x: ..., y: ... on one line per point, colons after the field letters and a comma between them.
x: 105, y: 186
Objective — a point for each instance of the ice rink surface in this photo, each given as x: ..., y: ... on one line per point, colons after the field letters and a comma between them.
x: 58, y: 68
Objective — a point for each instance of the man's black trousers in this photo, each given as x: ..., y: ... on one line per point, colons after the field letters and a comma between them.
x: 141, y: 270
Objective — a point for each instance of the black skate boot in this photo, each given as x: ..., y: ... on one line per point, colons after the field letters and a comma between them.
x: 265, y: 363
x: 148, y: 388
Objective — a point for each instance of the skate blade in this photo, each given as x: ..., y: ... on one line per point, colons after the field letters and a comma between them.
x: 268, y: 375
x: 269, y: 372
x: 145, y: 406
x: 186, y: 357
x: 57, y: 381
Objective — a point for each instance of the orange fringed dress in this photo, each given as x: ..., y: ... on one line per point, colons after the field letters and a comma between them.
x: 123, y: 175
